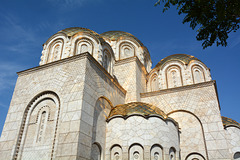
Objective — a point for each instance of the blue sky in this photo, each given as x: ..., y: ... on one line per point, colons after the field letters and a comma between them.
x: 25, y: 25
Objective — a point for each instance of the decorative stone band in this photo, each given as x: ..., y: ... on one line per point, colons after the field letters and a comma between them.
x: 228, y: 122
x: 138, y: 109
x: 176, y: 89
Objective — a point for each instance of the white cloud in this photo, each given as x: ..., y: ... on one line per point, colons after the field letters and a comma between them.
x: 16, y: 37
x: 8, y: 75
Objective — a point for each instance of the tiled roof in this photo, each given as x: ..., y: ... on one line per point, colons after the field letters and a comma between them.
x: 73, y: 30
x: 186, y: 59
x: 229, y: 122
x: 115, y: 35
x: 136, y: 108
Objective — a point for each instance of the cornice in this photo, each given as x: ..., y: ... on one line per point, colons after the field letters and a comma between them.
x: 72, y: 59
x: 177, y: 89
x: 55, y: 63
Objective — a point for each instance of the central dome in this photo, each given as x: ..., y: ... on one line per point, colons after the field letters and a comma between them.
x: 116, y: 35
x: 75, y: 30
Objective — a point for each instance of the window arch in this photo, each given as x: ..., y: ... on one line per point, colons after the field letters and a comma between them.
x: 39, y: 127
x: 156, y: 152
x: 55, y: 50
x: 236, y: 156
x: 116, y: 152
x: 173, y: 77
x: 195, y: 156
x: 136, y: 152
x: 101, y: 110
x: 83, y: 45
x: 198, y: 74
x: 96, y: 151
x: 126, y: 50
x: 172, y: 153
x: 42, y: 126
x: 106, y: 60
x: 154, y: 83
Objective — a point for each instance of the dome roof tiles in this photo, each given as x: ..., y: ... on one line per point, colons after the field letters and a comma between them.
x: 136, y: 108
x: 74, y: 30
x: 229, y: 122
x: 186, y: 59
x: 116, y: 35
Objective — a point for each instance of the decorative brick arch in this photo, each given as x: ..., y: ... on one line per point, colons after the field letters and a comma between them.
x: 46, y: 95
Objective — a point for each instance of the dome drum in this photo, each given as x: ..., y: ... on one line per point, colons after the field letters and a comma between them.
x: 176, y: 71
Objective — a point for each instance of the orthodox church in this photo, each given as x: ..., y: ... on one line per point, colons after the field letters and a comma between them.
x: 96, y: 97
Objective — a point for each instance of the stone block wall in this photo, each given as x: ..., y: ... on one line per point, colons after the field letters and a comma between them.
x: 69, y: 79
x: 131, y: 75
x: 137, y: 134
x: 201, y: 101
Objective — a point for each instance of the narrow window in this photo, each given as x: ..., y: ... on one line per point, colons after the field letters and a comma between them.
x: 41, y: 126
x: 84, y: 48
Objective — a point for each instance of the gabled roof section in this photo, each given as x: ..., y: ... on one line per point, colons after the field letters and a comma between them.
x: 228, y: 122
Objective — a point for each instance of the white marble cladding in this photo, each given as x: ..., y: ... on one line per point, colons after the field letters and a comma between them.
x: 199, y: 101
x: 175, y: 73
x: 233, y: 138
x: 131, y: 74
x: 78, y: 83
x: 128, y: 47
x: 137, y: 135
x: 61, y: 46
x: 59, y: 109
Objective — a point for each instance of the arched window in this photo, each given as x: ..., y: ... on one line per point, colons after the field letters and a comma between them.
x: 126, y: 50
x: 101, y: 112
x: 96, y: 152
x: 83, y: 48
x: 55, y: 51
x: 42, y: 125
x: 136, y: 152
x: 84, y: 45
x: 195, y: 156
x: 154, y: 83
x: 106, y: 60
x: 198, y: 75
x: 40, y: 128
x: 172, y: 153
x: 116, y: 152
x: 156, y: 152
x: 236, y: 156
x: 174, y: 78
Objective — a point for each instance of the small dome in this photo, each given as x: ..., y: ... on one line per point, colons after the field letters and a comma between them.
x: 136, y: 108
x: 186, y: 59
x: 74, y: 30
x: 116, y: 35
x: 227, y: 122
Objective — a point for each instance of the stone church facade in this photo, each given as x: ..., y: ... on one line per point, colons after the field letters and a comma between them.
x: 95, y: 96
